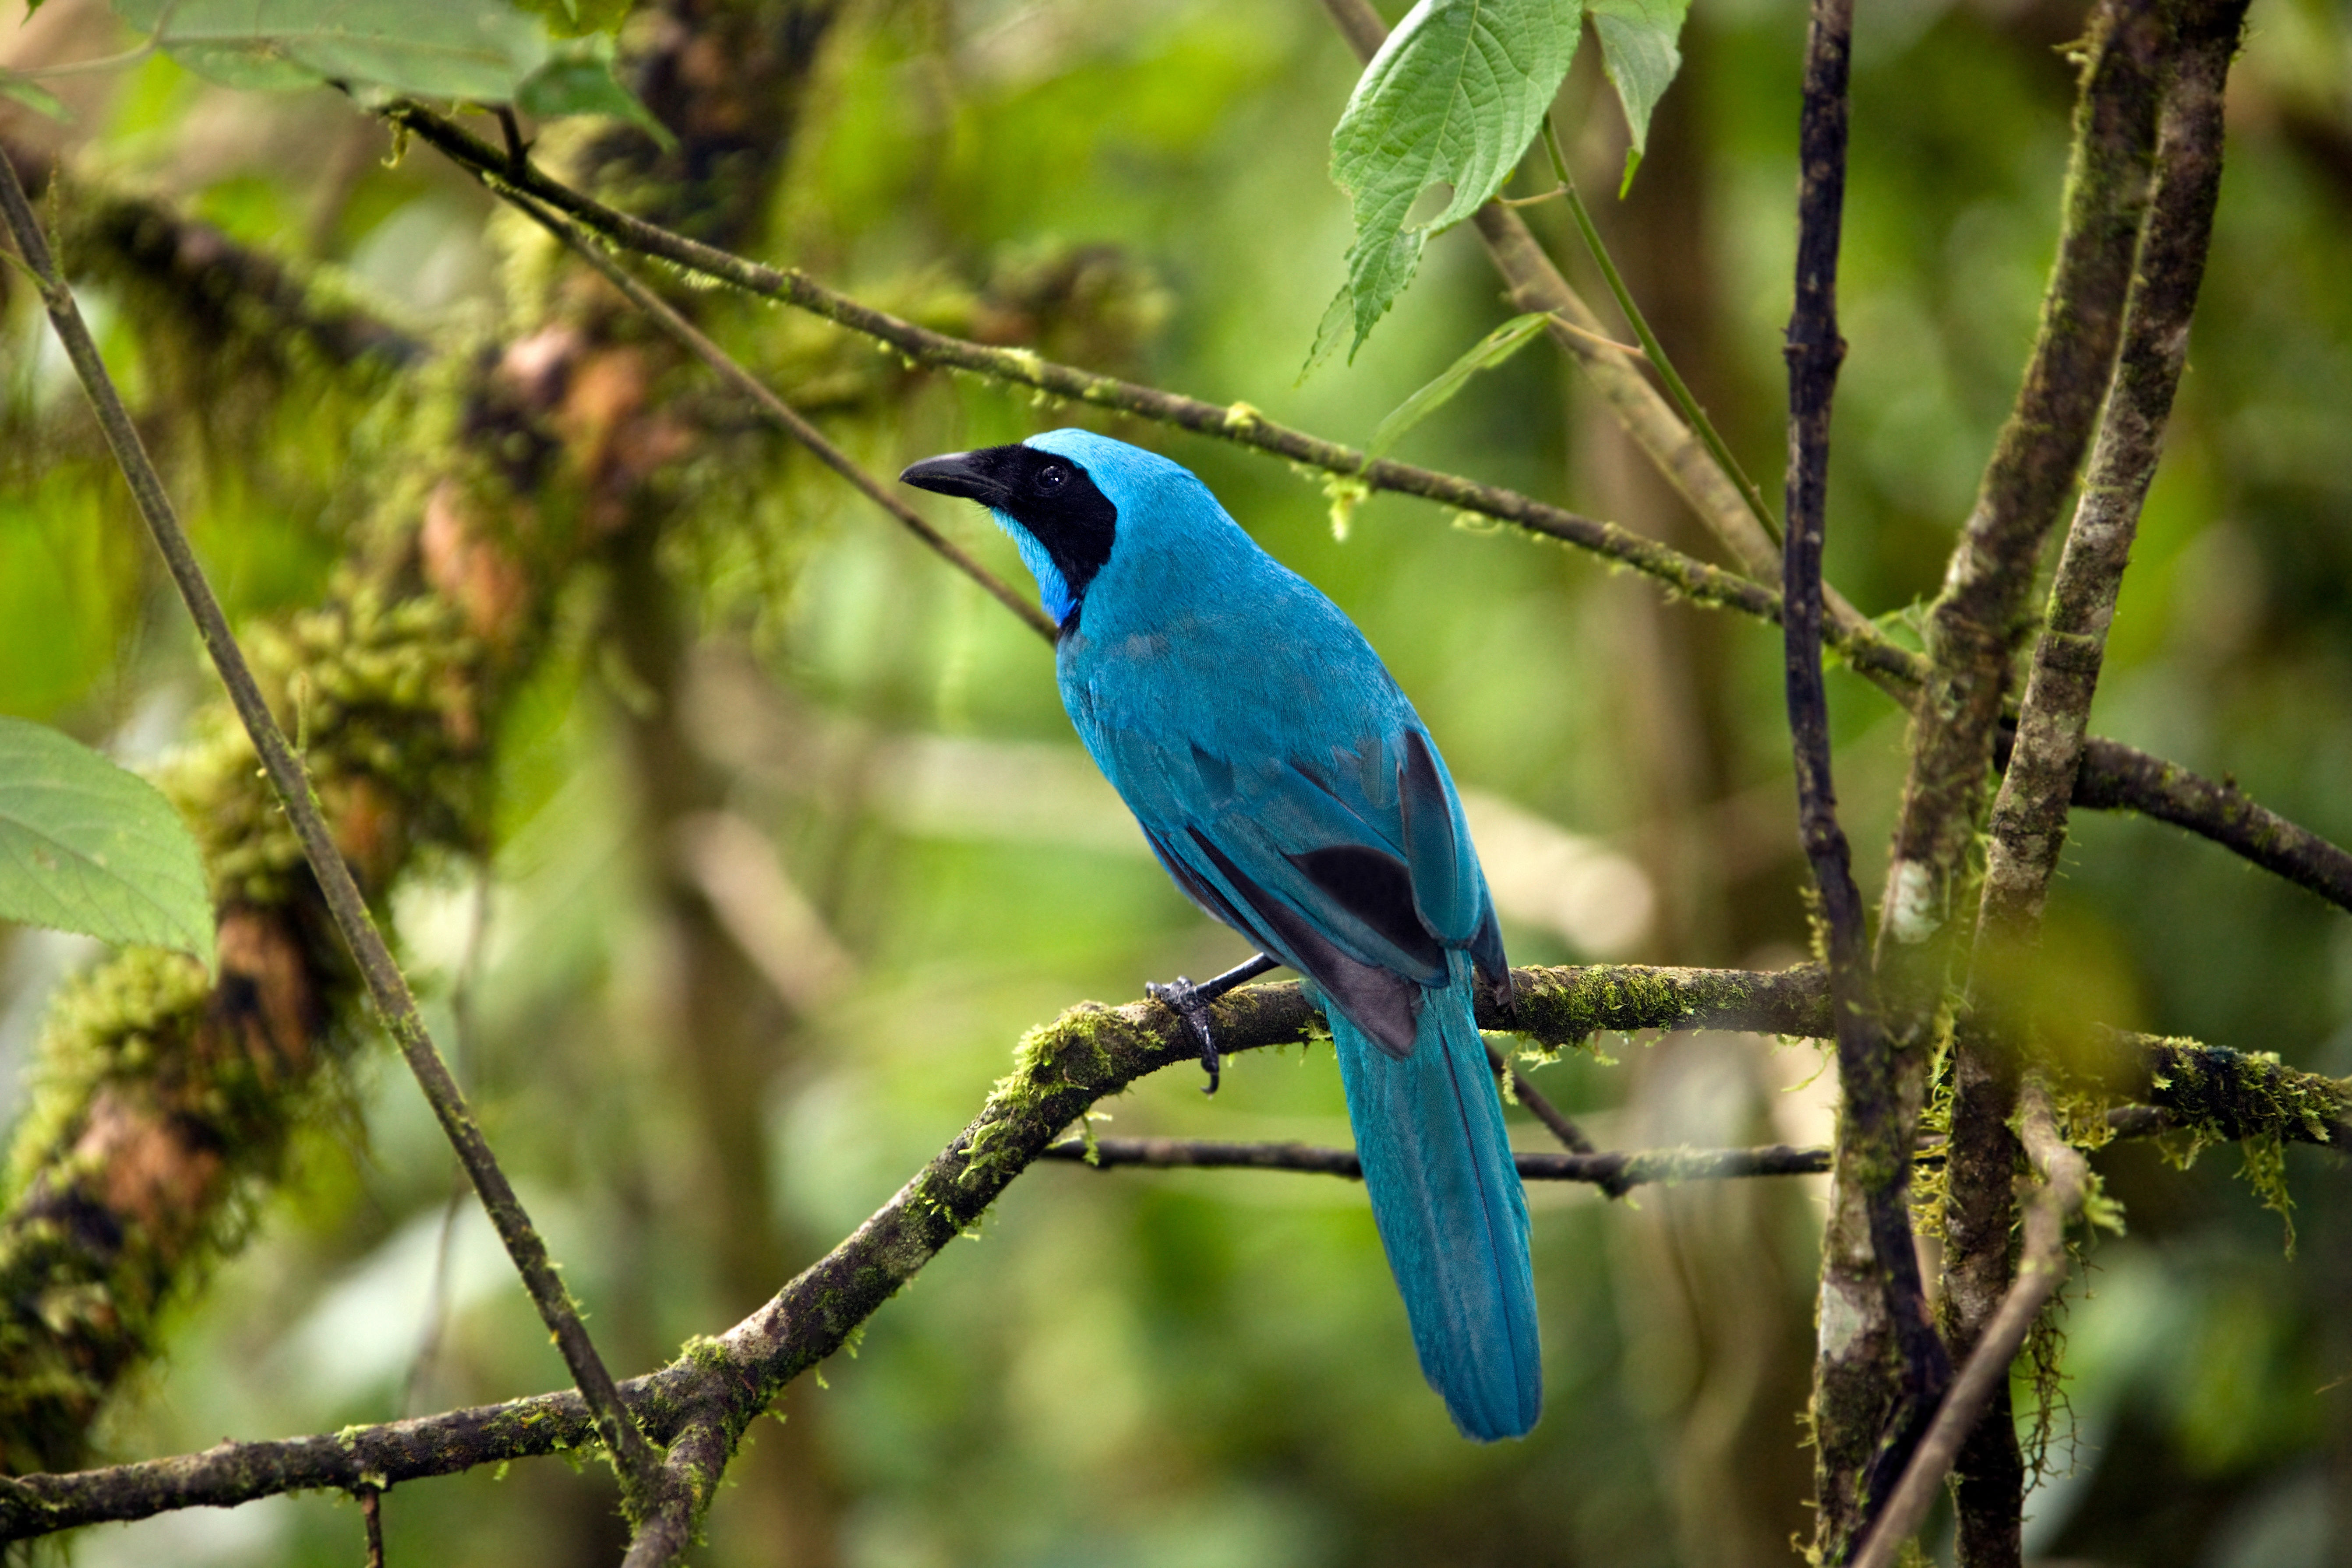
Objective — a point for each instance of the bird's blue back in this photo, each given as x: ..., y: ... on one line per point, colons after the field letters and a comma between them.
x: 1291, y: 790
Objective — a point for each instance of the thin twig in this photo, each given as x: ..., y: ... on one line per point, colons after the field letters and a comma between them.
x: 1615, y: 1173
x: 1563, y: 1127
x: 1558, y: 324
x: 1676, y: 388
x: 2114, y: 777
x: 1866, y: 649
x: 2041, y: 1271
x: 371, y: 1521
x: 386, y: 985
x: 782, y: 414
x: 1864, y: 1419
x: 1088, y: 1053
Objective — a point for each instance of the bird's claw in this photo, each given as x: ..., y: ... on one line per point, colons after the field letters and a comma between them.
x: 1190, y: 1003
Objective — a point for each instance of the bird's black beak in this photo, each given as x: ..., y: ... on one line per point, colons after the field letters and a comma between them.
x: 961, y: 474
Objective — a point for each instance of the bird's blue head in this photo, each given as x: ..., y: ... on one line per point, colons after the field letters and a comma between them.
x: 1060, y: 496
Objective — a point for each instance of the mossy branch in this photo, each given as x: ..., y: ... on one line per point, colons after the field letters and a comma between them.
x: 1062, y: 1069
x: 2064, y: 1180
x: 1615, y: 1172
x: 2029, y: 820
x: 2113, y: 777
x: 1980, y: 617
x: 296, y: 795
x: 1875, y: 1379
x: 2028, y: 815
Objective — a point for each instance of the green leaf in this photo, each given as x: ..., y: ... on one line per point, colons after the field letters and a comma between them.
x: 88, y: 847
x: 481, y: 50
x: 1488, y: 352
x: 1452, y: 98
x: 577, y: 18
x: 1639, y: 54
x: 579, y: 80
x: 35, y: 97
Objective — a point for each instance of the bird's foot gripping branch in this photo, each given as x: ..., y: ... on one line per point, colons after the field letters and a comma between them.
x: 719, y: 1384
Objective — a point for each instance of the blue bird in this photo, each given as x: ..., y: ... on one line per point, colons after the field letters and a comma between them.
x: 1293, y: 792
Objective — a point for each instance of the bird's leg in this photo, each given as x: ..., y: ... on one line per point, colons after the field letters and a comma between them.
x: 1191, y: 1003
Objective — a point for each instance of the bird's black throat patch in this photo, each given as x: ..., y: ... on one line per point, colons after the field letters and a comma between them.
x: 1052, y: 497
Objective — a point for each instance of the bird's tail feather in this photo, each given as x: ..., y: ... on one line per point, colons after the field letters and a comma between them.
x: 1451, y: 1214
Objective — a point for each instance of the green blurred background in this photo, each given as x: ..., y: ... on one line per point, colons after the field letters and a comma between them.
x: 1192, y: 1370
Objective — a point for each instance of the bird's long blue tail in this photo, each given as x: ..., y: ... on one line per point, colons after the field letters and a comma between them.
x: 1451, y: 1214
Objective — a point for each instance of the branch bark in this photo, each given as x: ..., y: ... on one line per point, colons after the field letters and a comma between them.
x: 2065, y: 1182
x: 1063, y: 1067
x: 2029, y: 820
x: 386, y: 985
x: 1615, y: 1173
x: 1979, y: 618
x: 1872, y: 1379
x: 2138, y: 782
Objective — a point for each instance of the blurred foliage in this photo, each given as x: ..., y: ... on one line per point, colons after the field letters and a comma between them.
x: 1188, y: 1370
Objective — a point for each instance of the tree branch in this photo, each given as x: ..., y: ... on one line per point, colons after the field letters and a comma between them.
x: 2146, y: 784
x: 2041, y: 1271
x: 2029, y: 820
x: 1980, y: 617
x: 779, y: 412
x: 1062, y: 1069
x: 2028, y: 815
x: 2116, y: 777
x: 1874, y: 1379
x: 1562, y: 1126
x: 1616, y: 1173
x: 288, y: 776
x: 1684, y: 574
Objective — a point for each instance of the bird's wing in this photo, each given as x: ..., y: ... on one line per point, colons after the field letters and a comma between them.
x: 1353, y: 867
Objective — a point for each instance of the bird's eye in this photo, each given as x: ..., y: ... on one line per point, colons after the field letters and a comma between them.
x: 1052, y: 478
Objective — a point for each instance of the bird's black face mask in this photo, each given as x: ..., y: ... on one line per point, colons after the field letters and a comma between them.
x: 1063, y: 525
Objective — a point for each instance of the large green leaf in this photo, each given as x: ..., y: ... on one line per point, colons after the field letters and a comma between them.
x: 88, y: 847
x: 578, y: 79
x: 481, y: 50
x: 1452, y: 98
x: 1485, y: 354
x: 1639, y: 52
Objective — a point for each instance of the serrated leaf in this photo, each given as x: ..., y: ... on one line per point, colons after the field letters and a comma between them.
x: 481, y: 50
x: 579, y: 80
x: 1452, y: 98
x: 1640, y: 55
x: 1488, y: 352
x: 87, y: 846
x: 34, y: 96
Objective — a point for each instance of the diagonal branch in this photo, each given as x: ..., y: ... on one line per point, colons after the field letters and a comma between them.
x: 2113, y: 777
x: 2028, y: 815
x: 1088, y: 1053
x: 2043, y: 1269
x: 1980, y: 617
x: 386, y: 985
x: 690, y: 338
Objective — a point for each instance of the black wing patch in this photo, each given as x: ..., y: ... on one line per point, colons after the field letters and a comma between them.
x: 1376, y: 889
x: 1383, y: 1003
